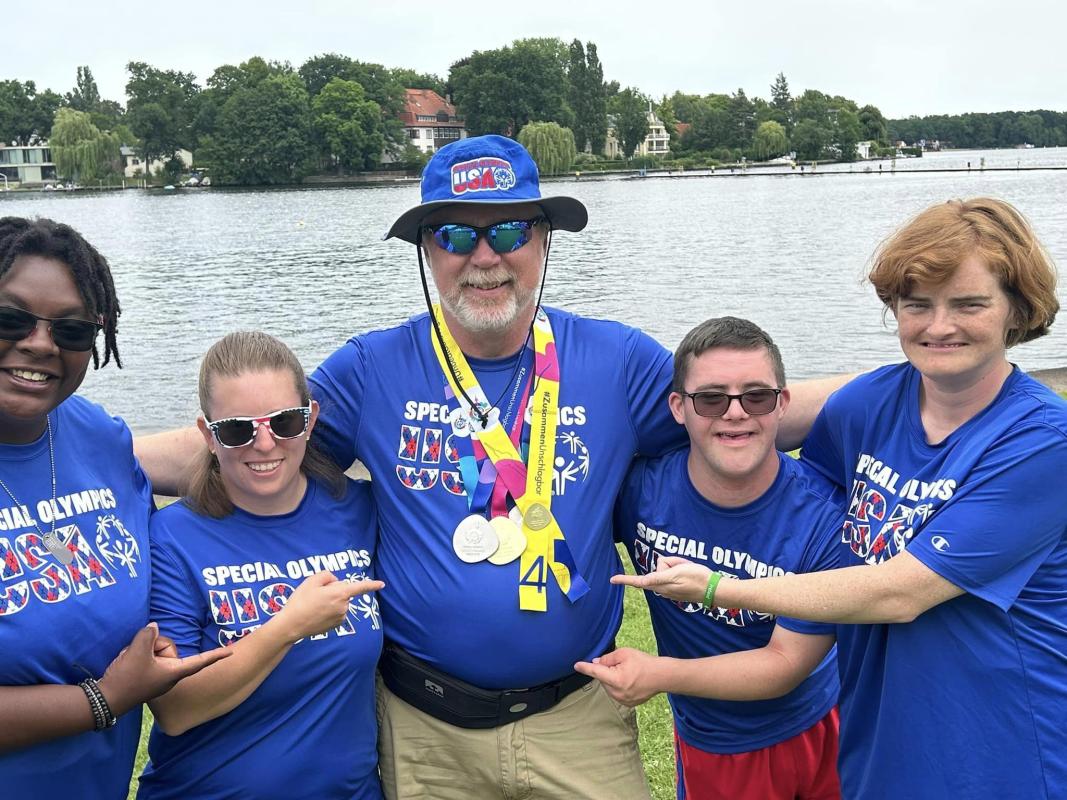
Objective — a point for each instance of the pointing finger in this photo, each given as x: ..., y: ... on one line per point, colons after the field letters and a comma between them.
x: 638, y: 581
x: 356, y: 588
x: 190, y: 665
x: 600, y: 673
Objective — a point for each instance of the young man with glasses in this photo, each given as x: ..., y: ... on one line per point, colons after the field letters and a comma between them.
x: 497, y: 433
x: 753, y: 697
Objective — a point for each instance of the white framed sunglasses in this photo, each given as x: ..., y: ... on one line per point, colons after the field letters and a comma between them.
x: 241, y: 431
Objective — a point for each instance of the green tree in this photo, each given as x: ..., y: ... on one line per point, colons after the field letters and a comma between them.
x: 499, y: 91
x: 412, y: 158
x: 810, y: 139
x: 16, y: 102
x: 85, y: 96
x: 597, y: 109
x: 1032, y: 128
x: 262, y: 133
x: 742, y: 120
x: 770, y: 140
x: 847, y: 132
x: 26, y: 115
x: 630, y: 109
x: 383, y: 86
x: 685, y: 106
x: 711, y: 124
x: 588, y: 99
x: 410, y: 79
x: 781, y: 105
x: 82, y: 151
x: 577, y: 73
x: 780, y: 97
x: 665, y: 111
x: 347, y: 126
x: 108, y: 115
x: 319, y: 70
x: 813, y: 106
x: 161, y: 110
x: 872, y: 124
x: 552, y: 147
x: 226, y: 81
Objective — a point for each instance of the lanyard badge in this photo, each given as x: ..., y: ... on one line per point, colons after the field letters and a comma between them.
x: 529, y: 483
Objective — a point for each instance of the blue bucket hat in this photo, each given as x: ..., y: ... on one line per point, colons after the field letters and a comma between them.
x: 485, y: 169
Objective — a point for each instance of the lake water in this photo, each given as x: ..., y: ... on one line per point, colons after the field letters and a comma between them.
x: 308, y: 265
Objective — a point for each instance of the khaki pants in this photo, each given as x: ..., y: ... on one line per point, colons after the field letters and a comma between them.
x: 584, y: 748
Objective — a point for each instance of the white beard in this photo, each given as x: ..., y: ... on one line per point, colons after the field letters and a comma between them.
x: 490, y: 317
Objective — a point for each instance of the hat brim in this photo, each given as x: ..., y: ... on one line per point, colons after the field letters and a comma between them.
x: 565, y: 213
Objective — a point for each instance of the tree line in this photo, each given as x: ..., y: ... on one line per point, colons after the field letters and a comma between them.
x: 1001, y: 129
x: 267, y: 122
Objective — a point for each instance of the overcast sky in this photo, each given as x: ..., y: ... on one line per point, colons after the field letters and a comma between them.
x: 906, y: 57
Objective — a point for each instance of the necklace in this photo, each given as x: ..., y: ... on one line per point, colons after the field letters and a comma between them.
x: 51, y: 541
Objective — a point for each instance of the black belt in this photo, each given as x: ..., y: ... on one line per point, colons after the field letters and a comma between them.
x: 463, y: 704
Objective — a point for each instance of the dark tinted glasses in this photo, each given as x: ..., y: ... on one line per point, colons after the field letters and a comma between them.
x: 68, y: 333
x: 503, y: 237
x: 754, y: 402
x: 240, y: 431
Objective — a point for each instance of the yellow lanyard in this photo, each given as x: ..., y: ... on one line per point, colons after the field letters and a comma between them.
x: 530, y: 484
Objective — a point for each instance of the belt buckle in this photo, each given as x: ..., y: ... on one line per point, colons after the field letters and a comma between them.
x: 514, y: 702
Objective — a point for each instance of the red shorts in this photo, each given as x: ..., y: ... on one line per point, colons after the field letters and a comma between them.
x: 801, y: 768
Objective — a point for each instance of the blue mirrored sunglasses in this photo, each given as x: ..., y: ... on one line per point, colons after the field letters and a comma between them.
x: 503, y: 237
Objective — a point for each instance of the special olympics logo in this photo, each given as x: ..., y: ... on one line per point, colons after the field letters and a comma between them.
x: 571, y: 463
x: 505, y: 178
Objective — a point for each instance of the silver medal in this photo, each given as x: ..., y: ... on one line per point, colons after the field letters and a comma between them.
x: 460, y: 422
x: 474, y: 539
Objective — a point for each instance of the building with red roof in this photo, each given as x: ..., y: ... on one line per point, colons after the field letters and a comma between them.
x: 430, y: 121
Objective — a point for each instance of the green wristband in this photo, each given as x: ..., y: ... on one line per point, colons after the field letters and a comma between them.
x: 709, y: 593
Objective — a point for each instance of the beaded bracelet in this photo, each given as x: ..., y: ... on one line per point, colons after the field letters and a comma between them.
x: 102, y: 716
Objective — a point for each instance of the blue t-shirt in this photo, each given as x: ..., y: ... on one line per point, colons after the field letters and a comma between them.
x: 969, y: 699
x: 382, y: 401
x: 53, y: 616
x: 309, y: 729
x: 789, y: 529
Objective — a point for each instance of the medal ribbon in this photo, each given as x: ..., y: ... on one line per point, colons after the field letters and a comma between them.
x: 475, y: 467
x: 530, y: 484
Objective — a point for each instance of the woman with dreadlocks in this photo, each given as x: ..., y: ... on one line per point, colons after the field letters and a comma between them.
x: 78, y: 657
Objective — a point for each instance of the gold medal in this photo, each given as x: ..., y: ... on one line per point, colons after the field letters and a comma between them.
x: 512, y: 541
x: 537, y: 517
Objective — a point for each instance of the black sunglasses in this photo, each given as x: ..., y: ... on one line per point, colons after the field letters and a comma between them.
x: 503, y: 237
x: 240, y: 431
x: 754, y: 402
x: 67, y: 332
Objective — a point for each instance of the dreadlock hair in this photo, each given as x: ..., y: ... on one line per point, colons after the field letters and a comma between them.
x: 50, y: 239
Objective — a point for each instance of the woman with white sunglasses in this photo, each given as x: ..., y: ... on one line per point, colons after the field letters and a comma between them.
x: 271, y: 556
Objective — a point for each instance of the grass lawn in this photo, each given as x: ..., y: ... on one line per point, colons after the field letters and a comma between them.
x: 654, y: 717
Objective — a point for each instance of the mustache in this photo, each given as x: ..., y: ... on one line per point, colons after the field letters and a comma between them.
x: 480, y: 280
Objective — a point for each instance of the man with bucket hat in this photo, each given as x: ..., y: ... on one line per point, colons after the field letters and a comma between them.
x: 497, y: 433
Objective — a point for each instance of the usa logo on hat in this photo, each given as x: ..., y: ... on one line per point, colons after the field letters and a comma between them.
x: 482, y: 175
